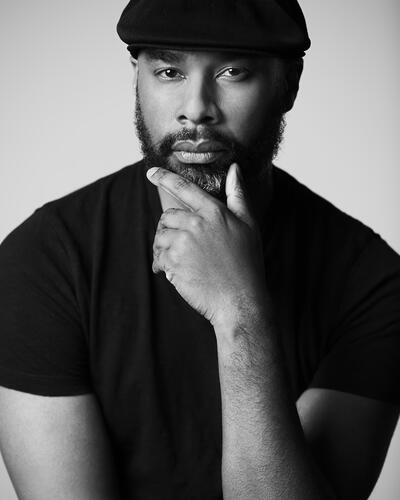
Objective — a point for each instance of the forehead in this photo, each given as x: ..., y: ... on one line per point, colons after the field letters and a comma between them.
x: 175, y: 56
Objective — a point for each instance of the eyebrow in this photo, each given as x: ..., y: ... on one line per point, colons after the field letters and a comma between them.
x: 164, y: 55
x: 177, y: 57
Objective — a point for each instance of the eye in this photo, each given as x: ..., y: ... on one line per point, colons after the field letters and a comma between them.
x: 169, y: 74
x: 235, y: 74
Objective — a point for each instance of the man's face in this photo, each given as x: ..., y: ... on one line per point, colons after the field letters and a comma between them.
x: 198, y: 112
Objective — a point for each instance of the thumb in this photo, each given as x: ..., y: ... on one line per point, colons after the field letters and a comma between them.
x: 235, y: 194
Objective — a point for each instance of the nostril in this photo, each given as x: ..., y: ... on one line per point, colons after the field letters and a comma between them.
x: 197, y: 120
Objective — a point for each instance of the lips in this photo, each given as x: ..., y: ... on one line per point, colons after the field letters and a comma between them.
x: 195, y: 157
x: 199, y: 147
x: 201, y: 152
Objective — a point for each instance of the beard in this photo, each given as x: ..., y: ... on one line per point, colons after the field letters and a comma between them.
x: 254, y: 160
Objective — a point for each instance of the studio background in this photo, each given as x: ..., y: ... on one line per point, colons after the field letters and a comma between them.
x: 66, y: 117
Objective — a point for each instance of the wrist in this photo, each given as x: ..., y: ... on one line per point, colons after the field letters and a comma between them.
x: 239, y: 329
x: 240, y: 310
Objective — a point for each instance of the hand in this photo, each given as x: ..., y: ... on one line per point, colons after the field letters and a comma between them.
x: 210, y: 252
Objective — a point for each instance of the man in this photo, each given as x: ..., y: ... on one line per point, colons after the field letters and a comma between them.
x: 219, y: 329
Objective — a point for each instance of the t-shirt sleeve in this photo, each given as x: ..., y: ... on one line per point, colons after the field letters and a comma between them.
x: 42, y: 345
x: 363, y: 354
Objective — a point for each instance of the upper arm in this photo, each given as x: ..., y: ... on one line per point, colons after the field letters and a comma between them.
x: 349, y: 436
x: 56, y: 447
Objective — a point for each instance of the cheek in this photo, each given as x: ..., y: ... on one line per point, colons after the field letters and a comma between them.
x: 248, y: 112
x: 156, y: 108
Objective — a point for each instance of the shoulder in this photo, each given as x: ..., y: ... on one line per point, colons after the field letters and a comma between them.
x: 312, y: 211
x: 65, y: 228
x: 110, y: 190
x: 82, y: 211
x: 347, y: 280
x: 321, y: 225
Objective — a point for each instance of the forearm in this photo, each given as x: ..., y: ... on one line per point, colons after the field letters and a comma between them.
x: 212, y: 254
x: 265, y: 455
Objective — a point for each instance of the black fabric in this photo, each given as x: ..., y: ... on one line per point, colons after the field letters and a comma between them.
x: 81, y: 311
x: 259, y: 26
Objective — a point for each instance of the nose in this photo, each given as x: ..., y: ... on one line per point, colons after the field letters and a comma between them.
x: 198, y: 105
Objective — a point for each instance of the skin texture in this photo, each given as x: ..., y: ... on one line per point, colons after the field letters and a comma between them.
x: 228, y: 94
x: 188, y: 239
x: 211, y: 252
x: 190, y: 96
x: 211, y: 176
x: 329, y: 444
x: 56, y: 447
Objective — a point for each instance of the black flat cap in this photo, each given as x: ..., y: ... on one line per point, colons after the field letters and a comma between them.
x: 275, y: 27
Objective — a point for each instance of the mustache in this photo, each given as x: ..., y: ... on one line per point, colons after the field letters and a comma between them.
x: 195, y: 135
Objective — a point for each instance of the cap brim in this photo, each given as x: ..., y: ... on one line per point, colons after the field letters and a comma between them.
x: 134, y: 49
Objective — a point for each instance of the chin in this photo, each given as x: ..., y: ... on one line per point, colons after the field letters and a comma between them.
x: 209, y: 177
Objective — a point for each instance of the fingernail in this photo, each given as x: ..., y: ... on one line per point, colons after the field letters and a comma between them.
x: 151, y: 172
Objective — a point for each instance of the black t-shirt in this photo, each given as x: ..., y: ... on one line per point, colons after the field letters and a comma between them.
x: 81, y: 311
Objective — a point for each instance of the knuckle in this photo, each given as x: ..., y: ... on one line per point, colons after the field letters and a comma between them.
x: 240, y: 192
x: 217, y: 212
x: 162, y: 222
x: 160, y: 174
x: 169, y: 275
x: 160, y: 238
x: 171, y: 211
x: 183, y: 238
x: 195, y: 222
x: 156, y: 243
x: 156, y: 266
x: 167, y: 213
x: 174, y: 255
x: 181, y: 183
x: 156, y: 255
x: 168, y: 216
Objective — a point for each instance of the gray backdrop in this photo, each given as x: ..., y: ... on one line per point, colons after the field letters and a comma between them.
x: 66, y: 114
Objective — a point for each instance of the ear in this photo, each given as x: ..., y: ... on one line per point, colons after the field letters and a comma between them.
x: 294, y: 69
x: 134, y: 63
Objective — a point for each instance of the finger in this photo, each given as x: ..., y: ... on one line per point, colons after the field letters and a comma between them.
x: 174, y: 218
x: 159, y: 262
x: 164, y: 238
x: 161, y: 247
x: 156, y: 266
x: 188, y: 193
x: 162, y: 261
x: 235, y: 195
